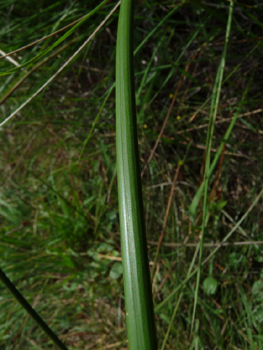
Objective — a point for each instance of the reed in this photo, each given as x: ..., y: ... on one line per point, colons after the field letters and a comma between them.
x: 136, y: 274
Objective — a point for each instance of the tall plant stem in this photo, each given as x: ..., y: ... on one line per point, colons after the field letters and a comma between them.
x: 136, y: 274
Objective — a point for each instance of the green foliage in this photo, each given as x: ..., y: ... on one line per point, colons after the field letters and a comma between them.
x: 116, y: 271
x: 210, y: 285
x: 257, y: 294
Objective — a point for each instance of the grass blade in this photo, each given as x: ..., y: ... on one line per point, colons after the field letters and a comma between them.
x: 42, y: 53
x: 189, y: 276
x: 214, y: 107
x: 199, y: 193
x: 60, y: 69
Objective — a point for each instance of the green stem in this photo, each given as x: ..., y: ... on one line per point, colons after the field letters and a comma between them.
x: 136, y: 274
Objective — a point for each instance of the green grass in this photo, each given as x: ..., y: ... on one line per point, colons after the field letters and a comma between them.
x: 59, y: 217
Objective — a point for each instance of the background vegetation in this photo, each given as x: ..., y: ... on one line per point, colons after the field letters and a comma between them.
x: 59, y: 228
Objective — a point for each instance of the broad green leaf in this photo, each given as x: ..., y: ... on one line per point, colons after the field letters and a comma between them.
x: 210, y: 285
x: 116, y: 270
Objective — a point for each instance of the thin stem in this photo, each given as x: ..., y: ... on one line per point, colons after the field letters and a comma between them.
x: 22, y: 301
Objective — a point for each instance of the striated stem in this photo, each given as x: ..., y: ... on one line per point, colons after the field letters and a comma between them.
x: 136, y: 274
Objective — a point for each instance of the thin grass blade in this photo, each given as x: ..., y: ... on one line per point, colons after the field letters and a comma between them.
x: 214, y: 107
